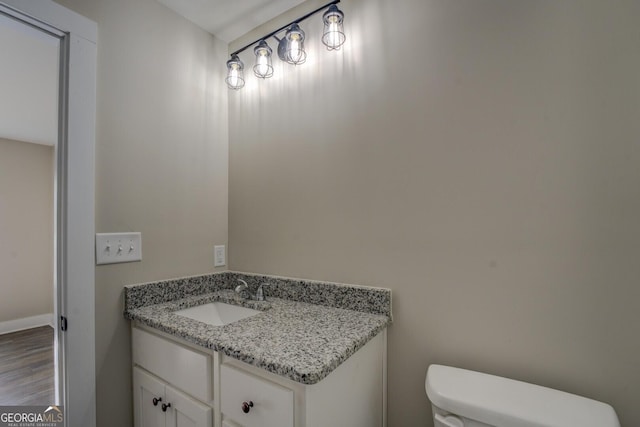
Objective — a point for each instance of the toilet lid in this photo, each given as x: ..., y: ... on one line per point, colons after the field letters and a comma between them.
x: 503, y: 402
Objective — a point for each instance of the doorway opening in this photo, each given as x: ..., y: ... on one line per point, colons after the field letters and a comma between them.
x: 74, y: 201
x: 29, y: 133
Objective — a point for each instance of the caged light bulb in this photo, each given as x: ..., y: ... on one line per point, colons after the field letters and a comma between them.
x: 263, y: 68
x: 333, y: 35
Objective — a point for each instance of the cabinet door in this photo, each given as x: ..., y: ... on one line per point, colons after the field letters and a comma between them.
x: 145, y: 389
x: 185, y: 411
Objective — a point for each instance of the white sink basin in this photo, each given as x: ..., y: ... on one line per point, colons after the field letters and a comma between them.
x: 217, y: 313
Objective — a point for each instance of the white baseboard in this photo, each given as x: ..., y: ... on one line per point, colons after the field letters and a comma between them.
x: 26, y: 323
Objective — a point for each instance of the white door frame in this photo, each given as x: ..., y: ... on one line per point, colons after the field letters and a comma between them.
x: 75, y: 201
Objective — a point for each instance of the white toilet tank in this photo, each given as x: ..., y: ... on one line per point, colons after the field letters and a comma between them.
x: 463, y: 398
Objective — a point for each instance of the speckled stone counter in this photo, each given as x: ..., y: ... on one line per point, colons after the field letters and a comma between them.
x: 291, y: 337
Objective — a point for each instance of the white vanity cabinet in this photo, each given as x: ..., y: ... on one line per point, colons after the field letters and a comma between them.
x: 208, y: 389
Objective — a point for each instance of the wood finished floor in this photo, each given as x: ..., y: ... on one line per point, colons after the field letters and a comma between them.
x: 26, y: 367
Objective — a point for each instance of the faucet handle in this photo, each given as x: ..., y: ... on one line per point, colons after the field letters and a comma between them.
x: 260, y: 292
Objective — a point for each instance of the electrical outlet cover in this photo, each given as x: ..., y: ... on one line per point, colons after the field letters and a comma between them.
x: 220, y: 256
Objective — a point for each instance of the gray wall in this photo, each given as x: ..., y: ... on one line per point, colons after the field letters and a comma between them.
x: 26, y: 229
x: 480, y: 158
x: 161, y: 164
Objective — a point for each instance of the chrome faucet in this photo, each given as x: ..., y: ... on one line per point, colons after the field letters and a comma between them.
x: 243, y: 290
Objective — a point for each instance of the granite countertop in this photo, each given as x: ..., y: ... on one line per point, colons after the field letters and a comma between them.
x: 297, y: 340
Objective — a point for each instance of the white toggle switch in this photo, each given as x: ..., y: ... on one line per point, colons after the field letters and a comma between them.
x: 106, y: 241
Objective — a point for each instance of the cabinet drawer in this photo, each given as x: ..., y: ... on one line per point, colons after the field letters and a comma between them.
x: 187, y: 369
x: 272, y: 403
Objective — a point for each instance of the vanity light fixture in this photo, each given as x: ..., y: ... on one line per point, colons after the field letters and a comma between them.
x: 290, y: 47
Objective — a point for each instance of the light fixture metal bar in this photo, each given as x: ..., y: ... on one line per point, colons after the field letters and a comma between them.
x: 295, y: 21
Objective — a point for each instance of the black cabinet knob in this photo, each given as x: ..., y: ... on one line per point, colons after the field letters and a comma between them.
x: 246, y: 407
x: 156, y: 400
x: 165, y: 406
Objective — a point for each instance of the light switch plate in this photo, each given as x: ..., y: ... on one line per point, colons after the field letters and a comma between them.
x: 219, y: 256
x: 112, y: 248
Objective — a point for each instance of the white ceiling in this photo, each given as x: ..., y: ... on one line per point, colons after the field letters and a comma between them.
x: 230, y: 19
x: 28, y: 83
